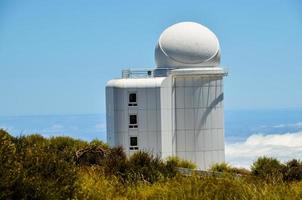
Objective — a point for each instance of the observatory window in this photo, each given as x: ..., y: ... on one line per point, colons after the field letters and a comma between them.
x: 132, y: 121
x: 132, y: 99
x: 133, y: 143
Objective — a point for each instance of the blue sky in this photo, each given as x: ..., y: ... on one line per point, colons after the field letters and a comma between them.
x: 56, y: 56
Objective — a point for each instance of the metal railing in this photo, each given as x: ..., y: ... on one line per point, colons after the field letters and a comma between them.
x: 137, y: 73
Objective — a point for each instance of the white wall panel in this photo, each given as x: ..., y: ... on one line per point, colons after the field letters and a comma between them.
x: 151, y: 98
x: 180, y: 119
x: 180, y: 97
x: 141, y: 98
x: 190, y: 141
x: 214, y: 121
x: 215, y: 157
x: 200, y: 120
x: 215, y: 139
x: 166, y: 142
x: 207, y: 118
x: 200, y: 160
x: 200, y: 140
x: 197, y: 97
x: 208, y: 159
x: 158, y: 121
x: 208, y: 139
x: 188, y: 81
x: 152, y: 141
x: 143, y: 140
x: 142, y: 120
x: 190, y: 156
x: 164, y: 103
x: 197, y: 81
x: 189, y: 97
x: 205, y: 97
x: 151, y: 120
x: 221, y: 156
x: 220, y: 136
x: 189, y: 119
x: 219, y: 95
x: 180, y: 141
x: 166, y: 120
x: 181, y: 154
x: 205, y: 82
x: 212, y: 92
x: 213, y: 81
x: 179, y: 82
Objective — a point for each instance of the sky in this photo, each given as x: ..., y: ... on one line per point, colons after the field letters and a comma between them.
x: 56, y: 56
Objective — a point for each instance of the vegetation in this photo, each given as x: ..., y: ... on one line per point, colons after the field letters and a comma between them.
x: 34, y: 167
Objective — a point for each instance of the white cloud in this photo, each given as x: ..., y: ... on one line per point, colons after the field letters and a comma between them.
x: 282, y: 146
x: 294, y: 125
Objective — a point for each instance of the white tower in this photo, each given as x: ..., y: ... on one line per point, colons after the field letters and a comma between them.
x: 175, y: 109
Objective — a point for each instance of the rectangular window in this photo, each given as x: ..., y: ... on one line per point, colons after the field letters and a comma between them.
x: 133, y: 143
x: 132, y: 121
x: 132, y: 99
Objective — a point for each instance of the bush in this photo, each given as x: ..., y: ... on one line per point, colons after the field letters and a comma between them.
x: 9, y: 167
x: 46, y: 170
x: 93, y: 184
x: 178, y: 162
x: 146, y: 167
x: 99, y: 143
x: 33, y: 167
x: 115, y: 163
x: 292, y: 171
x: 267, y: 168
x: 226, y: 168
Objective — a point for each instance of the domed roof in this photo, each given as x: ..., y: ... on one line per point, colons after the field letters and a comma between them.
x: 187, y: 45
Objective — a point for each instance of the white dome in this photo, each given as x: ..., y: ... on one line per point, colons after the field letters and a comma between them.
x: 187, y: 45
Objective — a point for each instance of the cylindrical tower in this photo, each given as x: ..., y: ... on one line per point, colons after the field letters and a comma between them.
x: 191, y: 51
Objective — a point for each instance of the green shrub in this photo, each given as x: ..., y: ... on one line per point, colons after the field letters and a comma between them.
x: 146, y: 167
x: 292, y: 171
x: 226, y: 168
x: 93, y: 184
x: 267, y: 168
x: 46, y: 171
x: 173, y: 162
x: 9, y: 166
x: 99, y: 143
x: 178, y: 162
x: 115, y: 162
x: 221, y: 167
x: 34, y: 167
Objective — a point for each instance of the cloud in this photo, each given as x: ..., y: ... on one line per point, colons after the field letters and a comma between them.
x: 294, y: 125
x: 282, y: 146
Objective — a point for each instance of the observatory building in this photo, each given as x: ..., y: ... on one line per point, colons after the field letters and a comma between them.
x: 175, y: 109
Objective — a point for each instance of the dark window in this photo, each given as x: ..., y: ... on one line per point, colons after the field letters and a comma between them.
x: 132, y: 121
x: 133, y: 141
x: 132, y: 99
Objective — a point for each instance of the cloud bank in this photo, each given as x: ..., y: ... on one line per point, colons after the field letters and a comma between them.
x: 281, y: 146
